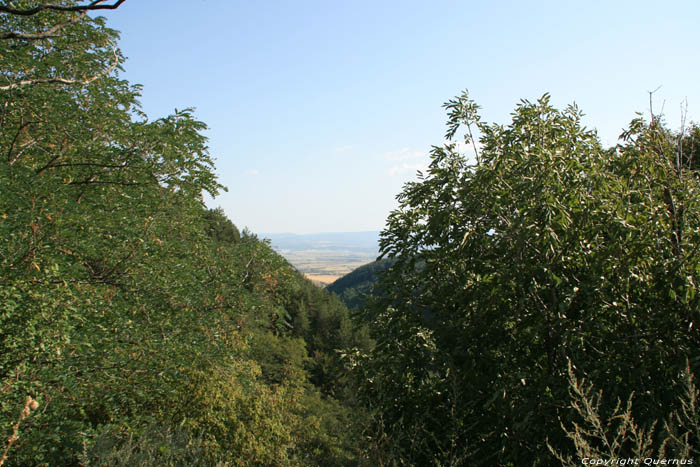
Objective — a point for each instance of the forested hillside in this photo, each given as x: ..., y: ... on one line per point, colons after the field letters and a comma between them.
x: 136, y: 326
x: 355, y: 288
x: 535, y: 305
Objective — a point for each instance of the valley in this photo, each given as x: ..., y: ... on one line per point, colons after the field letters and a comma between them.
x: 325, y: 257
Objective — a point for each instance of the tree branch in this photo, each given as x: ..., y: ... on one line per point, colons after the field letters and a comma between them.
x: 88, y: 164
x: 92, y: 181
x: 94, y: 5
x: 14, y: 140
x: 29, y: 405
x: 83, y: 82
x: 51, y: 32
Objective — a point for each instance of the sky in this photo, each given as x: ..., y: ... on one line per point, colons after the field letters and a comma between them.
x: 320, y: 111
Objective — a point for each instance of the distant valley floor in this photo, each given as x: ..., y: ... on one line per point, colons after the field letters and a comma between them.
x: 325, y: 266
x: 325, y: 257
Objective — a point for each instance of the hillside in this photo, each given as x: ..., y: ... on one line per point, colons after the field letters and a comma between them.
x: 353, y: 288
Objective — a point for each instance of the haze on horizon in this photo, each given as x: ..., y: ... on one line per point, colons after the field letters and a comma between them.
x: 319, y: 112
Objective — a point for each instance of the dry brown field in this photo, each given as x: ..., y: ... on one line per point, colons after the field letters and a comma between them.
x: 322, y: 279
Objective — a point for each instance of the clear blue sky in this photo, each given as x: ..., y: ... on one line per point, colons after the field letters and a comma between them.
x: 319, y: 111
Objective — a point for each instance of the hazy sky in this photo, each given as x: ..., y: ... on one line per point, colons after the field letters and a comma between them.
x: 320, y: 111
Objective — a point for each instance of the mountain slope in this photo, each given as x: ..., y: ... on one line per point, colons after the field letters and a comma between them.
x: 354, y: 288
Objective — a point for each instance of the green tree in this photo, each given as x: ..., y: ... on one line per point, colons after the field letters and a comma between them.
x: 220, y: 228
x: 98, y: 207
x: 549, y: 249
x: 146, y: 327
x: 119, y: 291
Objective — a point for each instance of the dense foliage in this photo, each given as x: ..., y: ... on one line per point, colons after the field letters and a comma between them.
x: 549, y: 251
x: 147, y: 328
x: 138, y: 327
x: 356, y: 287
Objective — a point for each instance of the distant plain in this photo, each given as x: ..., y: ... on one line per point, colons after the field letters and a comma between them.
x: 325, y: 257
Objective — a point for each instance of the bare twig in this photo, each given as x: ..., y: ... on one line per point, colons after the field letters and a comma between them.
x: 29, y: 405
x: 651, y: 107
x: 10, y: 159
x: 471, y: 137
x: 681, y: 135
x: 247, y: 271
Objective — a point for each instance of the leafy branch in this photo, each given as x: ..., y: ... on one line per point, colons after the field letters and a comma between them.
x: 56, y: 80
x: 51, y: 32
x: 94, y: 5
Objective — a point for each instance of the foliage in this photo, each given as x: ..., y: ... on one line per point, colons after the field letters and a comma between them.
x: 354, y: 288
x: 617, y: 436
x: 220, y: 228
x: 155, y: 445
x: 146, y: 326
x: 549, y: 249
x: 151, y: 331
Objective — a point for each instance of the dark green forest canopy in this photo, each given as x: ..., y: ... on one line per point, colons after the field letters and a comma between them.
x: 355, y: 288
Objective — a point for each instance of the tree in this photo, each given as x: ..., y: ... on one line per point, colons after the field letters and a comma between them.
x: 95, y: 199
x: 145, y: 327
x: 50, y: 30
x: 220, y: 228
x: 549, y: 250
